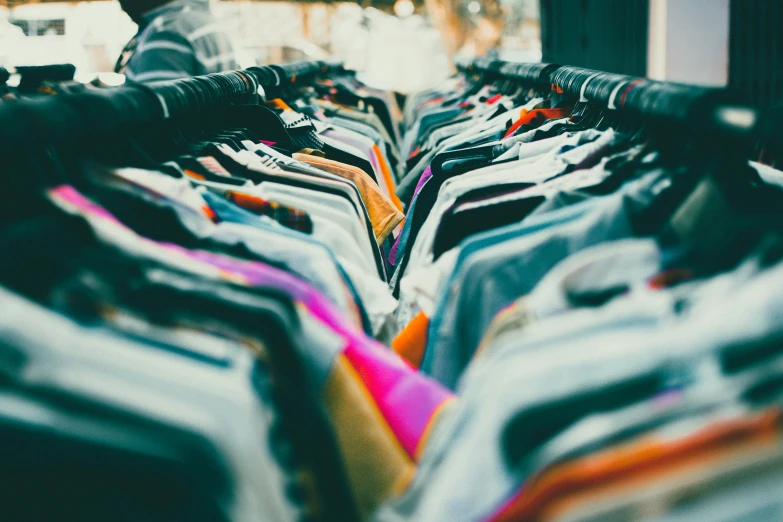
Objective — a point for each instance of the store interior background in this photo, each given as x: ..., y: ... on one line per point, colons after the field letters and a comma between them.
x: 407, y: 45
x: 396, y: 45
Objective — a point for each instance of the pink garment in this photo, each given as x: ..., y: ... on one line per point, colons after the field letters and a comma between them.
x: 406, y: 399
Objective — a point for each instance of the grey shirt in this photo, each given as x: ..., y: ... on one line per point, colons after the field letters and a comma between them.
x: 177, y: 40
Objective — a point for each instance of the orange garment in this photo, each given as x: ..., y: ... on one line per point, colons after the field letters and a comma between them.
x: 194, y: 175
x: 280, y: 104
x: 694, y: 474
x: 412, y: 340
x: 383, y: 214
x: 537, y: 116
x: 636, y: 463
x: 387, y: 177
x: 669, y: 278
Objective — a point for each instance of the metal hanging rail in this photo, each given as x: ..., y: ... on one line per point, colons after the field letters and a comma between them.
x: 52, y: 119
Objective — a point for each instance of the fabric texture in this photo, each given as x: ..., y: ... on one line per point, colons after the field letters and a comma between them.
x: 412, y: 340
x: 384, y: 215
x: 351, y: 372
x: 287, y: 216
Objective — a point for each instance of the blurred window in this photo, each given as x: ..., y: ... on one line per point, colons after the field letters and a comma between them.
x: 24, y: 25
x: 41, y: 27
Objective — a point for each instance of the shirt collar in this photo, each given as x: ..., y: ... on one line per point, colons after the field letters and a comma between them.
x: 171, y: 7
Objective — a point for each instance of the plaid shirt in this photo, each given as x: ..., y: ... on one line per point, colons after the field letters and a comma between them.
x: 177, y: 40
x: 287, y: 216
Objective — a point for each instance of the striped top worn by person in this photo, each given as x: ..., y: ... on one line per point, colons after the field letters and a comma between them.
x: 175, y: 40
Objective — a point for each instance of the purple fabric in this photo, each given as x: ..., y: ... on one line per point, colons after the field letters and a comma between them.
x: 427, y: 174
x: 393, y: 251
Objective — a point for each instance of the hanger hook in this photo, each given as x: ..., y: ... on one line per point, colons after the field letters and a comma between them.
x: 582, y: 98
x: 613, y: 97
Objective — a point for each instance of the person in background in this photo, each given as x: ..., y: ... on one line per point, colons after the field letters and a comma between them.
x: 176, y: 39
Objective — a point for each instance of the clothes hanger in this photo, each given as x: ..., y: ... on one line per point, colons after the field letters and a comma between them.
x: 718, y: 191
x: 468, y: 158
x: 70, y: 236
x: 258, y: 120
x: 466, y: 218
x: 190, y: 166
x: 344, y: 96
x: 608, y: 116
x: 465, y: 159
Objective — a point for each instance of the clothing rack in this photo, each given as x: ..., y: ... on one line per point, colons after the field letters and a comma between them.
x: 709, y: 109
x: 53, y: 119
x: 35, y: 74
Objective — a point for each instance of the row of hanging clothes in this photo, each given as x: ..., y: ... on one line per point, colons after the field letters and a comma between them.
x: 194, y: 282
x: 591, y: 262
x: 34, y: 80
x: 198, y: 279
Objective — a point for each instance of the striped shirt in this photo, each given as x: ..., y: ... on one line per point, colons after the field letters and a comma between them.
x: 177, y: 40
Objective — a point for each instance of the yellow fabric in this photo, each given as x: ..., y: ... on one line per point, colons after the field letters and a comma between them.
x: 377, y: 466
x: 312, y: 152
x: 383, y: 214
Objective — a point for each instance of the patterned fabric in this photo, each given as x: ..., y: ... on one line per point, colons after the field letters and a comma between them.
x: 214, y: 166
x: 270, y: 163
x: 305, y: 139
x: 177, y: 40
x: 298, y: 126
x: 286, y: 216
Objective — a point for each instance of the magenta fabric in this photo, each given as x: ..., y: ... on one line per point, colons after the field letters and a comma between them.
x: 407, y: 399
